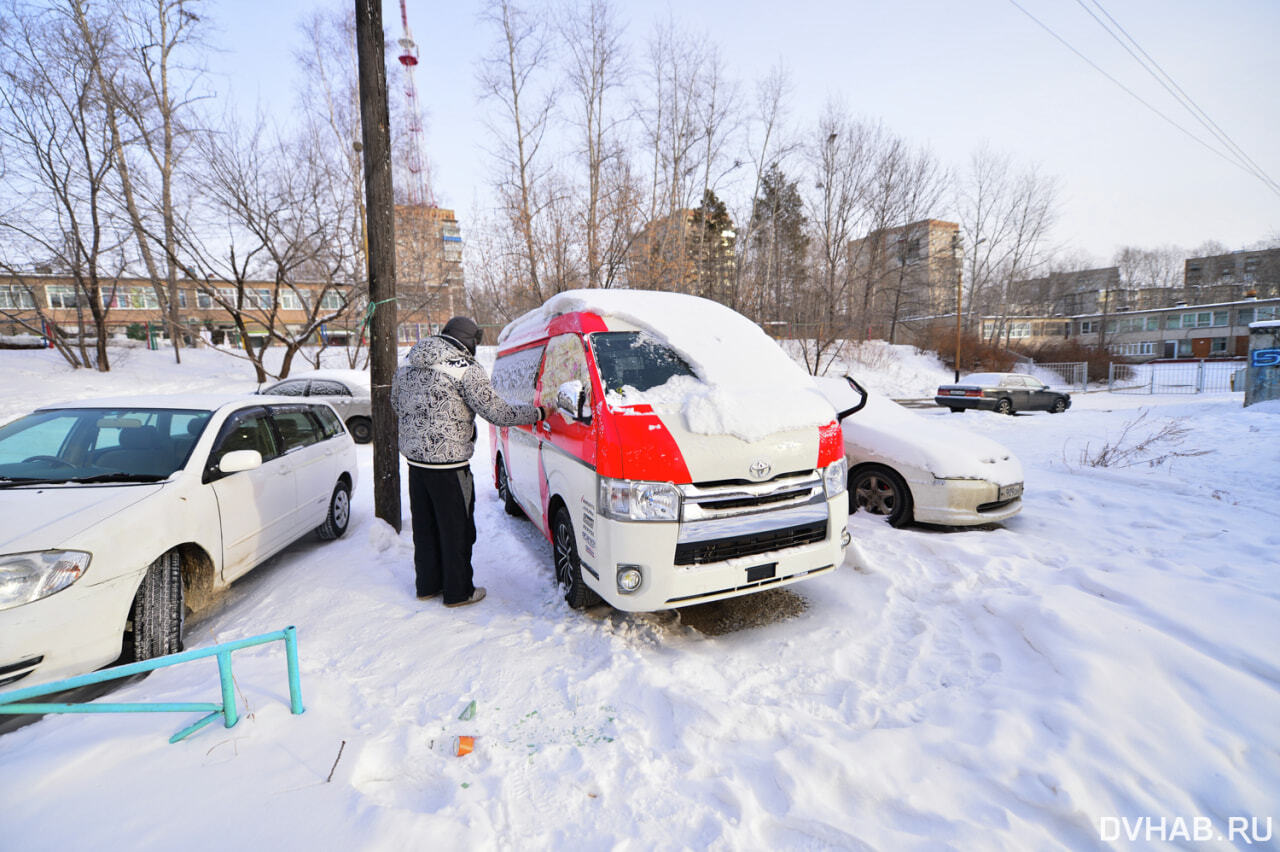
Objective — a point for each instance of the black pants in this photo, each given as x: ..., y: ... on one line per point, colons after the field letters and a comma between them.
x: 443, y: 504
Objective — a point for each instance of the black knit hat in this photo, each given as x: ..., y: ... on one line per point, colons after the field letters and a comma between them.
x: 465, y: 331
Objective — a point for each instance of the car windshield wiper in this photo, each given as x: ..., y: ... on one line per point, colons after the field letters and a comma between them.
x: 14, y: 482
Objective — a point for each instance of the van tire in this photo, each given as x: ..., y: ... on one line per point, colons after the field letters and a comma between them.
x: 156, y: 617
x: 564, y: 549
x: 504, y: 491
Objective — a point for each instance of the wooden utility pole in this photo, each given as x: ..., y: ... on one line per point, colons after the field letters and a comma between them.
x: 381, y: 229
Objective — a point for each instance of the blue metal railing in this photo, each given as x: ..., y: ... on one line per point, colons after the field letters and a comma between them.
x: 226, y: 710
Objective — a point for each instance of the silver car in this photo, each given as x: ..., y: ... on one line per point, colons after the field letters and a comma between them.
x: 346, y: 390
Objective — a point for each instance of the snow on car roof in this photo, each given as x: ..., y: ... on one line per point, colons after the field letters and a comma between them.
x: 358, y: 378
x: 189, y: 401
x: 750, y: 387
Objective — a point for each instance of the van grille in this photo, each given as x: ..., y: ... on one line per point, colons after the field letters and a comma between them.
x: 721, y: 549
x: 726, y: 499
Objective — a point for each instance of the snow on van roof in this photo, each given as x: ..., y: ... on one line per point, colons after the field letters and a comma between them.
x: 750, y: 387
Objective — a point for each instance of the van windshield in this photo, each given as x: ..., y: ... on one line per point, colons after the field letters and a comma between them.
x: 636, y: 360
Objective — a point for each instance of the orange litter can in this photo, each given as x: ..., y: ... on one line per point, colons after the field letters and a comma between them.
x: 463, y: 745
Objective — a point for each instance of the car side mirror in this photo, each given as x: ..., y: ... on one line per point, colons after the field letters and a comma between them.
x: 238, y: 460
x: 571, y: 400
x: 862, y: 398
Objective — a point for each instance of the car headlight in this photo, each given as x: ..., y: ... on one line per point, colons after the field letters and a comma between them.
x: 27, y: 577
x: 631, y: 500
x: 835, y: 479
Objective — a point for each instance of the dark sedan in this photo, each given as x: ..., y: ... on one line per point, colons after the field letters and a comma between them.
x: 1002, y: 392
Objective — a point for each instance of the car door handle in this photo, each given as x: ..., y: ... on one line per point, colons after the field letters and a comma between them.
x: 284, y: 471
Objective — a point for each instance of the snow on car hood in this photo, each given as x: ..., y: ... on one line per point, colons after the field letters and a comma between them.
x: 884, y: 428
x: 44, y: 516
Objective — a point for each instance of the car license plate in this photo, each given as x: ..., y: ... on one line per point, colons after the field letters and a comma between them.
x: 956, y: 393
x: 1009, y: 492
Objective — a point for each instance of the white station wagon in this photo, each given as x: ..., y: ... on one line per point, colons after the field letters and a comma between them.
x: 118, y: 515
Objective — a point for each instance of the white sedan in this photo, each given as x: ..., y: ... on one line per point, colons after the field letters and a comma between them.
x: 346, y: 390
x: 907, y: 468
x: 118, y: 515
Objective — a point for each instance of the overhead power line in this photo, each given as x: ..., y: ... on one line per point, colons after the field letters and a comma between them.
x: 1217, y: 152
x: 1163, y: 77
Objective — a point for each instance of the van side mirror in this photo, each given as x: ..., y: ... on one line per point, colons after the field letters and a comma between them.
x: 862, y: 401
x: 571, y: 401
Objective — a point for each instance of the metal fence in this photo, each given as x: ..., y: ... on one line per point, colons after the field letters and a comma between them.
x: 1173, y: 378
x: 1073, y: 375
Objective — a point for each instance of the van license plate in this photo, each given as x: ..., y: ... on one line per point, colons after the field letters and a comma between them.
x: 762, y: 572
x: 1008, y: 492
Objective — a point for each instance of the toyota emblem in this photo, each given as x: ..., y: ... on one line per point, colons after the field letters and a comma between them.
x: 759, y: 469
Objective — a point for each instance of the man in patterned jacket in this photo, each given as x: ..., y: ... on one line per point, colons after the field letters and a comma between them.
x: 437, y: 396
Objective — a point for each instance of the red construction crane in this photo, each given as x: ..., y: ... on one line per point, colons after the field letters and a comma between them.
x: 419, y: 175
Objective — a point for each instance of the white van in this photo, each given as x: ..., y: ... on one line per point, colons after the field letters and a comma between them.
x: 689, y: 460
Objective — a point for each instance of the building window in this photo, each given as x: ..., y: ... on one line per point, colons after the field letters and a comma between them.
x: 1220, y: 318
x: 332, y: 301
x: 61, y: 296
x: 1088, y: 326
x: 289, y: 301
x: 1201, y: 319
x: 1184, y: 348
x: 1153, y: 324
x: 16, y: 297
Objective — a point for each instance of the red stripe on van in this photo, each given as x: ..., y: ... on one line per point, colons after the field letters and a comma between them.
x: 636, y: 445
x: 830, y: 443
x: 580, y: 322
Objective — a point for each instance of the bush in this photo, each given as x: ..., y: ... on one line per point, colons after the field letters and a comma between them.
x: 136, y: 331
x: 976, y: 354
x: 1058, y: 351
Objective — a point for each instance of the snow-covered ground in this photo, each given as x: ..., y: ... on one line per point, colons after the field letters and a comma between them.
x: 1112, y: 653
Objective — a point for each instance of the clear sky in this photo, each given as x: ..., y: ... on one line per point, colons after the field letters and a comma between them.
x: 948, y: 73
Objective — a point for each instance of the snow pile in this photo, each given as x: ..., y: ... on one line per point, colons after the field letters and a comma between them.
x: 749, y: 387
x: 1111, y: 652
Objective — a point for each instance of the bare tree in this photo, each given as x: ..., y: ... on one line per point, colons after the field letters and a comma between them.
x: 58, y: 157
x: 513, y: 76
x: 148, y: 85
x: 759, y: 260
x: 596, y: 70
x: 283, y: 212
x: 1005, y: 218
x: 841, y: 158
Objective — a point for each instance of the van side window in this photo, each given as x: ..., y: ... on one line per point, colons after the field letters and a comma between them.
x: 515, y: 375
x: 565, y: 362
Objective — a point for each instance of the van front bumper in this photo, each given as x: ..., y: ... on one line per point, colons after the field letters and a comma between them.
x: 653, y: 547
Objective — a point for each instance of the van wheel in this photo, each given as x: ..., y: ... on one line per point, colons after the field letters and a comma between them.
x: 335, y: 523
x: 504, y: 491
x: 568, y: 566
x: 156, y: 617
x: 361, y: 429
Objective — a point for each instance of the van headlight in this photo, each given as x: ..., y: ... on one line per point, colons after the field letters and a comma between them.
x: 632, y: 500
x: 835, y: 479
x: 27, y: 577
